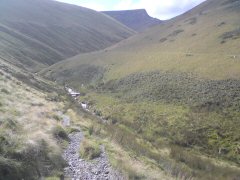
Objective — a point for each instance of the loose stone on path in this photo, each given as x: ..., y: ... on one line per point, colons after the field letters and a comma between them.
x: 80, y: 169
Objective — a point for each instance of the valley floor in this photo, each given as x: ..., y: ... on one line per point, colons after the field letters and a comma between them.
x: 39, y: 123
x: 117, y: 135
x: 122, y: 121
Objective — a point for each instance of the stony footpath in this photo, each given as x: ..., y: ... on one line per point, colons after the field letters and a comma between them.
x: 80, y: 169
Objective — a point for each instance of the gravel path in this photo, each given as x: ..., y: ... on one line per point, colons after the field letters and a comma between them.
x: 80, y: 169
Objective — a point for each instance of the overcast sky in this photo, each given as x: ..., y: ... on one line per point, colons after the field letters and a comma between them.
x: 162, y: 9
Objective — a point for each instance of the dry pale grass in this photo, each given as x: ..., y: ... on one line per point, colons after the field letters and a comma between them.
x: 133, y: 165
x: 26, y: 123
x: 30, y: 109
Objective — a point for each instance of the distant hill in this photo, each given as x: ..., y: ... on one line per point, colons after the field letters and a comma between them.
x: 138, y: 19
x: 204, y: 41
x: 35, y: 34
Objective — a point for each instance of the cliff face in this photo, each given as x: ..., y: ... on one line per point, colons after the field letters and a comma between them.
x: 138, y: 19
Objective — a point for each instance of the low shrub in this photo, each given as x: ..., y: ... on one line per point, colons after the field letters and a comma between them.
x: 10, y: 169
x: 53, y: 97
x: 176, y: 32
x: 31, y: 161
x: 114, y: 121
x: 89, y: 149
x: 98, y: 113
x: 57, y: 117
x: 60, y: 133
x: 11, y: 124
x: 3, y: 90
x: 90, y: 130
x: 73, y: 129
x: 230, y: 35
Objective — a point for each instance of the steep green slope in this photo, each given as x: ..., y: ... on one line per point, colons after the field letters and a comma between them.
x: 30, y: 147
x: 176, y: 85
x: 38, y: 33
x: 137, y: 19
x: 204, y: 41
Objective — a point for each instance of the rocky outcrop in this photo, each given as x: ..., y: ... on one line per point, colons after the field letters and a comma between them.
x: 137, y: 19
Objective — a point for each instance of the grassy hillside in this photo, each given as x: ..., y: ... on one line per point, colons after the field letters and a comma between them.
x: 32, y: 137
x: 138, y: 19
x: 176, y: 86
x: 36, y: 34
x: 30, y: 144
x: 203, y: 41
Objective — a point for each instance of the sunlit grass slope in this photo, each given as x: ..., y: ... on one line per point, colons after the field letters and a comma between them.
x: 38, y: 33
x: 204, y: 41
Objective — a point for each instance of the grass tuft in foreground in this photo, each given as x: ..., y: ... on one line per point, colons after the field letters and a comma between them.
x: 89, y: 149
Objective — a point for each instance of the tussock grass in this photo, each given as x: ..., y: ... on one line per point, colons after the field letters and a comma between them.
x: 60, y: 133
x: 204, y: 168
x: 28, y: 147
x: 89, y: 149
x: 148, y: 128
